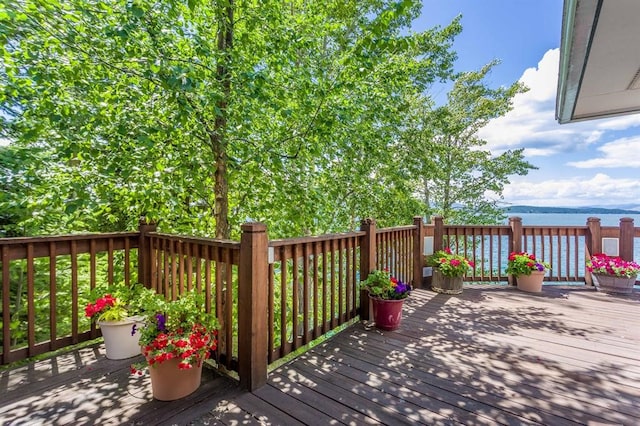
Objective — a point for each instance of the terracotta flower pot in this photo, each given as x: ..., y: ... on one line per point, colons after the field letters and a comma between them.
x: 387, y: 314
x: 613, y: 284
x: 440, y: 283
x: 168, y: 382
x: 119, y: 341
x: 531, y: 283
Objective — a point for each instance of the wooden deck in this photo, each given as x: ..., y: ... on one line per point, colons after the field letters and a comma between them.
x: 493, y: 355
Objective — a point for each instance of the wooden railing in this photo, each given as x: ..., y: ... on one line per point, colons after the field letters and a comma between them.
x: 394, y: 251
x: 313, y: 289
x: 271, y: 297
x: 59, y: 271
x: 566, y: 248
x: 178, y: 264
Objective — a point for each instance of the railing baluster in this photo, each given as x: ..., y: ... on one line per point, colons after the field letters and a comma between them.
x: 53, y: 291
x: 74, y: 287
x: 31, y: 308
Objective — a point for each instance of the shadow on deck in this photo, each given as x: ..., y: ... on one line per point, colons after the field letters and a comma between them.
x: 493, y: 355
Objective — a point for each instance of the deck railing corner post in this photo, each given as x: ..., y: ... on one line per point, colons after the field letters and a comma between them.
x: 144, y: 251
x: 418, y: 250
x: 253, y: 306
x: 593, y: 243
x: 627, y: 232
x: 515, y: 240
x: 367, y: 261
x: 438, y: 232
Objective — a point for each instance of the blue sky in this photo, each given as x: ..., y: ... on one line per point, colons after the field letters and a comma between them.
x: 592, y: 163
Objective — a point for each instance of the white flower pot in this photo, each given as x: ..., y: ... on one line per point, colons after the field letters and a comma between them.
x: 119, y: 341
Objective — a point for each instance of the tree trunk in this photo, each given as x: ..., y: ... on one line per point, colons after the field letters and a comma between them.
x: 218, y: 137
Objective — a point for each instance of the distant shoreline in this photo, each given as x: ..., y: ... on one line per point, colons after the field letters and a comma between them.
x: 568, y: 210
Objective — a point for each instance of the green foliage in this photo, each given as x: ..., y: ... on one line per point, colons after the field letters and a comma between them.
x: 122, y: 301
x: 62, y: 296
x: 179, y: 328
x: 455, y: 176
x: 522, y: 263
x: 450, y: 264
x: 612, y: 265
x: 292, y: 120
x: 380, y: 284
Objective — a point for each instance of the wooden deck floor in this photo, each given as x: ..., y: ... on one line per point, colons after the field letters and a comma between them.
x: 493, y: 355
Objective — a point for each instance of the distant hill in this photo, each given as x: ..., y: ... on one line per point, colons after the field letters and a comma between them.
x: 580, y: 210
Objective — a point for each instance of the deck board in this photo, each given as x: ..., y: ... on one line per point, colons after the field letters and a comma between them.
x: 493, y: 355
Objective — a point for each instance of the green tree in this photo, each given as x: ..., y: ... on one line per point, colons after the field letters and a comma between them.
x: 206, y: 114
x: 455, y: 176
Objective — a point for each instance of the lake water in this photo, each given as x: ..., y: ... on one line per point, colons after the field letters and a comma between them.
x: 573, y: 219
x: 570, y: 219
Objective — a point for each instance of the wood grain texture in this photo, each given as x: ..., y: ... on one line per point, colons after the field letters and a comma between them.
x: 492, y: 355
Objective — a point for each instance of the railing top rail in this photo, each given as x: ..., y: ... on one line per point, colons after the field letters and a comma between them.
x: 395, y: 229
x: 320, y: 238
x: 213, y: 242
x: 460, y: 226
x: 69, y: 237
x: 558, y: 227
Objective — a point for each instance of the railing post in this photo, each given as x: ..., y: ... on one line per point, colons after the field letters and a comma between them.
x: 515, y: 240
x: 253, y: 295
x: 626, y: 238
x: 593, y: 242
x: 144, y: 251
x: 418, y: 250
x: 438, y: 233
x: 367, y: 261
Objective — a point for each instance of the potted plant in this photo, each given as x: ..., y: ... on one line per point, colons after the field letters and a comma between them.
x: 114, y: 310
x: 528, y: 270
x: 388, y: 294
x: 177, y: 338
x: 448, y: 271
x: 613, y: 274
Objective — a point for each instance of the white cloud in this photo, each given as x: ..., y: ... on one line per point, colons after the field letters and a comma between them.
x: 614, y: 154
x: 599, y: 189
x: 532, y: 124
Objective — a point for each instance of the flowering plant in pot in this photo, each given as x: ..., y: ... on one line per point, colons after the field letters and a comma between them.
x: 523, y: 263
x: 449, y: 264
x: 448, y: 270
x: 177, y: 337
x: 528, y: 269
x: 387, y: 294
x: 381, y: 285
x: 609, y: 265
x: 612, y: 273
x: 114, y: 309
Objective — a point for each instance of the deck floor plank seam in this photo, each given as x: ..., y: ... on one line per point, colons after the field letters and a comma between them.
x: 491, y: 355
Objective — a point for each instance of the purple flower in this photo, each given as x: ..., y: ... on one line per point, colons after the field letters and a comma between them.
x: 539, y: 267
x: 160, y: 319
x: 134, y: 328
x: 401, y: 287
